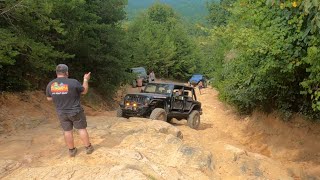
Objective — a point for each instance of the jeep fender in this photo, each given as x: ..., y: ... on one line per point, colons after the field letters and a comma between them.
x: 159, y: 104
x: 195, y: 107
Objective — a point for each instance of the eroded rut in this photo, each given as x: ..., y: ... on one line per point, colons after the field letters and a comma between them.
x: 295, y: 146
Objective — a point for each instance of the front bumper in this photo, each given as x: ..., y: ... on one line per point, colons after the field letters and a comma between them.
x: 193, y: 82
x: 139, y: 111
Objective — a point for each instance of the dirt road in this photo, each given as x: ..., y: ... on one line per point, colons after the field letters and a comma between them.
x: 295, y: 145
x: 253, y: 147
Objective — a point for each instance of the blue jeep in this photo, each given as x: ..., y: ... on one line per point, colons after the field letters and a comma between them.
x: 196, y: 78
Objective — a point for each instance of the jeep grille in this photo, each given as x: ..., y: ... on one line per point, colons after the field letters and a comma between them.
x: 135, y: 98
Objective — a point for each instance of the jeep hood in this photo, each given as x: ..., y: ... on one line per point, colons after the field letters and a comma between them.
x: 154, y: 95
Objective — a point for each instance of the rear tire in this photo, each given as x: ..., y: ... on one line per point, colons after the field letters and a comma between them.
x: 205, y: 85
x: 194, y: 119
x: 158, y: 114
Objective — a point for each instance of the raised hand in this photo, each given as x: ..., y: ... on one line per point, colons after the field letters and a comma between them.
x: 87, y: 76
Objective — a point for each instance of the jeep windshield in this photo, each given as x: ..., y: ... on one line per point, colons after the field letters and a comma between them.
x: 139, y: 71
x: 158, y: 88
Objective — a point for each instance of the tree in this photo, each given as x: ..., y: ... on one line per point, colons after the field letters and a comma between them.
x: 97, y: 41
x: 25, y: 49
x: 219, y: 12
x: 159, y: 41
x: 37, y: 35
x: 274, y: 64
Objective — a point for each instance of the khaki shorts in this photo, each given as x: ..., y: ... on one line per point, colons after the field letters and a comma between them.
x: 70, y: 120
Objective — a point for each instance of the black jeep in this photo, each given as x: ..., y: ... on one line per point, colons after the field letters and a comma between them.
x: 163, y: 101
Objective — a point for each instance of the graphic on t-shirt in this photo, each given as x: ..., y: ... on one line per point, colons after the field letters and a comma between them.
x: 61, y: 88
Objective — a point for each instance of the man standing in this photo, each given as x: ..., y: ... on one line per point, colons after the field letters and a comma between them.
x: 200, y: 86
x: 152, y: 76
x: 139, y: 83
x: 65, y: 94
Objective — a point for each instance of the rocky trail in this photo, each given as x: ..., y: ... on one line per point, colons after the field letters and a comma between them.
x: 226, y: 146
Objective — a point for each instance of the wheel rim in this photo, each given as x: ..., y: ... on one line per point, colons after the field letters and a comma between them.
x: 162, y: 117
x: 196, y: 120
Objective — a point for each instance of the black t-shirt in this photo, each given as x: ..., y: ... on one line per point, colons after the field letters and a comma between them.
x: 65, y: 93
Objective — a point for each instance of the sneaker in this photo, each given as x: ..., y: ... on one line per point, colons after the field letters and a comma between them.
x: 72, y: 152
x: 89, y: 149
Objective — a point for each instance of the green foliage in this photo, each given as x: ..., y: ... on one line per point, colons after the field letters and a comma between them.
x: 97, y: 42
x: 161, y: 13
x: 7, y: 50
x: 160, y: 42
x: 37, y: 35
x: 271, y: 57
x: 219, y: 11
x: 24, y: 47
x: 311, y: 84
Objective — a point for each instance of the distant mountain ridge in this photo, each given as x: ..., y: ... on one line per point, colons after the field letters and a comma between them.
x: 191, y: 10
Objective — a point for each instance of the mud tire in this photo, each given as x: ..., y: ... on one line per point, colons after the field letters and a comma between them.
x: 194, y: 119
x: 205, y: 85
x: 120, y: 113
x: 158, y: 114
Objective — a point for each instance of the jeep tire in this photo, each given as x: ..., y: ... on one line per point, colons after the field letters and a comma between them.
x: 120, y: 113
x: 204, y: 84
x: 158, y: 114
x: 194, y: 119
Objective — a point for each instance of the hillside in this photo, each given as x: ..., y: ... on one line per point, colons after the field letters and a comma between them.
x: 191, y: 10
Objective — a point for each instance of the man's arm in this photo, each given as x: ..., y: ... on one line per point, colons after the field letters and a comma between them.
x: 85, y: 86
x: 48, y: 94
x: 85, y: 83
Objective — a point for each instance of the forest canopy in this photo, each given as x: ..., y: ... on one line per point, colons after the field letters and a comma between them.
x: 270, y: 58
x: 37, y: 35
x: 159, y: 40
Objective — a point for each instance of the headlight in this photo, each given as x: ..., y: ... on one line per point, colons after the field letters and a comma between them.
x: 126, y: 100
